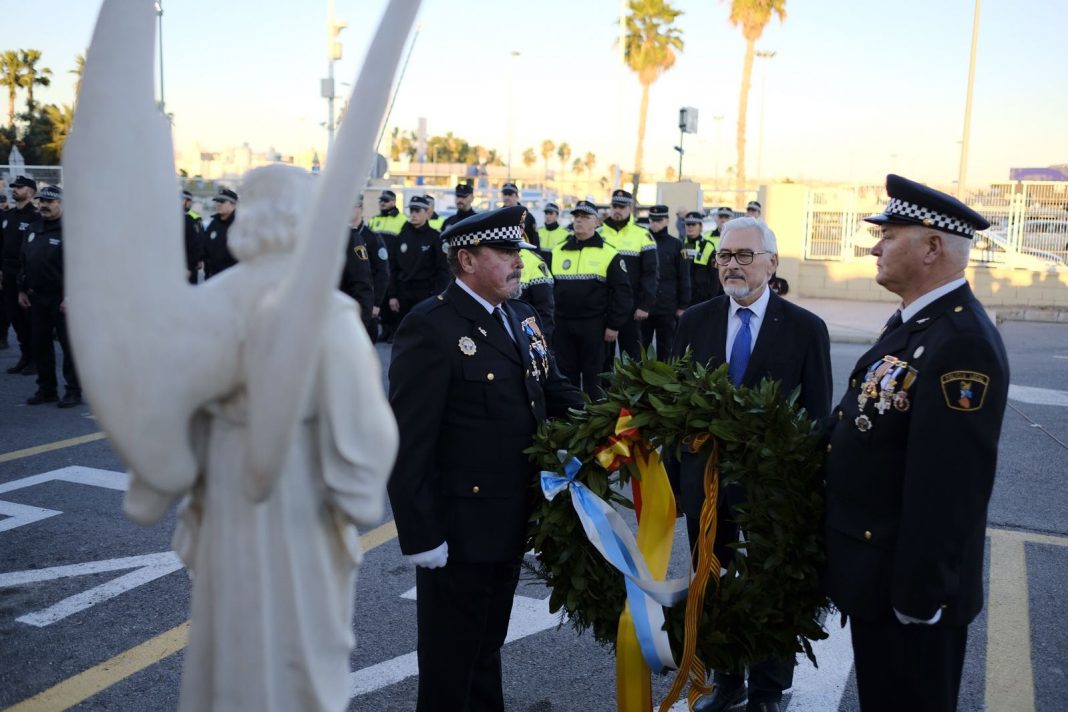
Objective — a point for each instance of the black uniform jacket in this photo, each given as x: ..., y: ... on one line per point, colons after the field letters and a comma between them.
x: 13, y: 227
x: 792, y: 347
x: 42, y: 259
x: 673, y: 285
x: 907, y: 491
x: 455, y: 218
x: 217, y: 255
x: 194, y: 249
x: 417, y: 263
x: 357, y: 279
x: 467, y: 401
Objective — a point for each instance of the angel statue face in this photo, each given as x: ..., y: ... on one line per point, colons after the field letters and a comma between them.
x: 275, y: 202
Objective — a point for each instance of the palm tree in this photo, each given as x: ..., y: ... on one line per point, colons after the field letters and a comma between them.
x: 577, y: 167
x: 589, y: 162
x: 752, y: 16
x: 529, y: 157
x: 61, y: 117
x: 32, y: 76
x: 649, y: 49
x: 547, y: 148
x: 563, y: 152
x: 11, y: 71
x: 78, y: 71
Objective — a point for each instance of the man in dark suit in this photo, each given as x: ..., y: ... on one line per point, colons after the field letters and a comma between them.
x: 911, y: 461
x: 471, y: 379
x: 759, y: 335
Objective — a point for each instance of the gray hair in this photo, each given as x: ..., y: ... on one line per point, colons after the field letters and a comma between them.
x: 767, y: 237
x: 958, y: 249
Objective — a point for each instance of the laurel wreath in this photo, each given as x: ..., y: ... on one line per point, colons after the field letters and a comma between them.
x: 769, y: 602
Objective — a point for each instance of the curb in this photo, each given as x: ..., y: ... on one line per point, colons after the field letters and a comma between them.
x: 1043, y: 315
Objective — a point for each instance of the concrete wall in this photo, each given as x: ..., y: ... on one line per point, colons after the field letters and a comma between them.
x: 784, y: 211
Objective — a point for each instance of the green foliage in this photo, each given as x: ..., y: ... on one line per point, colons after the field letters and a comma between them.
x: 769, y: 601
x: 652, y: 40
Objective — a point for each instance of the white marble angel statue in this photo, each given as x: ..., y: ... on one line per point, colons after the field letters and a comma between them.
x: 256, y: 397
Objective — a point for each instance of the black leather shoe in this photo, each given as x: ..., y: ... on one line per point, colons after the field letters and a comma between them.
x: 720, y: 699
x: 39, y: 398
x: 70, y: 400
x: 23, y: 362
x: 765, y: 706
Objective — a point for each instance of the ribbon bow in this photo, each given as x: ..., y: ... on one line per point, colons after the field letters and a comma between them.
x: 621, y: 446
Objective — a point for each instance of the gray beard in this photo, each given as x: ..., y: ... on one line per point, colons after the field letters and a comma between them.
x: 737, y: 292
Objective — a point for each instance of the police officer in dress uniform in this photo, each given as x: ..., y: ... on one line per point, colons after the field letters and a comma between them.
x: 357, y: 276
x: 194, y: 248
x: 217, y: 255
x: 510, y: 198
x: 15, y: 222
x: 552, y: 233
x: 758, y: 335
x: 638, y: 250
x: 377, y: 259
x: 911, y: 460
x: 470, y: 381
x: 673, y: 284
x: 704, y: 278
x: 464, y: 194
x: 41, y: 292
x: 417, y: 265
x: 593, y: 300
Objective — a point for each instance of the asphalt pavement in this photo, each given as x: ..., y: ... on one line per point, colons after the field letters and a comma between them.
x: 93, y: 607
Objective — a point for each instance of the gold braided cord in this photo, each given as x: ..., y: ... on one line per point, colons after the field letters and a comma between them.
x: 691, y: 668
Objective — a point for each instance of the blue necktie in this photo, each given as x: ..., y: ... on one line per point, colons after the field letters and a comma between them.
x: 743, y: 345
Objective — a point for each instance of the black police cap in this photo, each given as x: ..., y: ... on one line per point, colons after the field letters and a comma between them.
x: 463, y: 190
x: 24, y: 182
x: 694, y: 218
x: 622, y: 197
x: 225, y: 195
x: 387, y: 195
x: 419, y: 201
x: 552, y: 208
x: 51, y: 192
x: 187, y: 195
x: 659, y: 212
x: 753, y: 205
x: 912, y: 203
x: 502, y: 227
x: 509, y: 189
x: 725, y: 212
x: 585, y: 206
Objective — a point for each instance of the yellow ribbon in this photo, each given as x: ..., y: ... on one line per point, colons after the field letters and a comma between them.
x: 656, y: 532
x: 621, y: 446
x: 691, y: 668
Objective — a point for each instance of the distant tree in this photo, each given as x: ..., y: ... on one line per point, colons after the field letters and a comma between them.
x: 670, y: 173
x: 563, y: 152
x: 61, y: 118
x: 402, y: 144
x: 649, y: 49
x: 577, y: 167
x: 547, y: 148
x: 37, y: 140
x: 31, y: 75
x: 11, y: 71
x: 529, y: 157
x: 79, y: 72
x: 589, y: 162
x: 752, y: 16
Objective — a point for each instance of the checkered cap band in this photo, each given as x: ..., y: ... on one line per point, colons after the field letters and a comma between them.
x: 509, y: 233
x: 589, y: 210
x: 622, y: 200
x: 931, y: 218
x: 694, y: 221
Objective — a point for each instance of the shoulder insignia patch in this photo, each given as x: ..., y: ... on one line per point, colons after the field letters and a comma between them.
x: 361, y: 252
x: 622, y: 264
x: 543, y: 269
x: 567, y: 264
x: 964, y: 390
x: 29, y: 238
x: 383, y: 254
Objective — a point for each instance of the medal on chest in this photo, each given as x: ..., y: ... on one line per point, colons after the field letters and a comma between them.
x: 538, y: 349
x: 886, y: 385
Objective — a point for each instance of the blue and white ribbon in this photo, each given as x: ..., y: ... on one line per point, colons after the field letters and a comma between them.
x: 611, y: 536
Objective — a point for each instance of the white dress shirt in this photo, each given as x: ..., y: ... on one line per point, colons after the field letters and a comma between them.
x: 913, y: 309
x: 734, y: 322
x: 486, y: 305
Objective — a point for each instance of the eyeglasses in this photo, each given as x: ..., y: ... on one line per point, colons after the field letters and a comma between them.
x: 743, y: 257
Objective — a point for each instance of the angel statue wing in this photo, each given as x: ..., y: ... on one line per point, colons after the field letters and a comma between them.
x: 151, y: 349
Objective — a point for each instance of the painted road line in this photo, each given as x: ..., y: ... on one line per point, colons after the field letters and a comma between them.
x: 77, y: 689
x: 1009, y: 681
x: 18, y: 515
x: 75, y: 474
x: 148, y: 567
x: 49, y: 447
x: 1038, y: 396
x: 1027, y: 537
x: 529, y: 616
x: 817, y: 690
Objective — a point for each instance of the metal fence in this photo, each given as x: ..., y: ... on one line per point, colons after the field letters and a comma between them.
x: 44, y: 175
x: 1029, y: 223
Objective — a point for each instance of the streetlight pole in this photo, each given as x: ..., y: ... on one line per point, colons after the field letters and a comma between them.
x: 963, y: 175
x: 333, y: 53
x: 762, y: 54
x: 511, y: 73
x: 159, y: 15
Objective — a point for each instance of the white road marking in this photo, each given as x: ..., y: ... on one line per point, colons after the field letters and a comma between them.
x: 149, y: 567
x: 529, y: 616
x: 1038, y: 396
x: 76, y: 474
x: 21, y: 514
x: 821, y: 689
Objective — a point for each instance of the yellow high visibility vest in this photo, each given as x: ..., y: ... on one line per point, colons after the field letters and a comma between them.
x: 587, y: 263
x: 549, y: 239
x: 535, y: 271
x: 388, y: 224
x: 631, y: 241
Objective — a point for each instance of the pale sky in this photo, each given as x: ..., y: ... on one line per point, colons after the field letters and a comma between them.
x: 857, y: 89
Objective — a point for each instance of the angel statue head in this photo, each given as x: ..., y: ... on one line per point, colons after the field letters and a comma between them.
x: 275, y: 202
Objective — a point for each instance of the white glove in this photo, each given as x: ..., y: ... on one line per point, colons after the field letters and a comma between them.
x: 433, y: 559
x: 905, y: 620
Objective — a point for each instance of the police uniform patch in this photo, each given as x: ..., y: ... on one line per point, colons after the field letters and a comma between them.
x: 361, y: 252
x: 964, y: 390
x: 383, y: 254
x: 212, y: 235
x: 567, y: 264
x: 622, y: 264
x: 4, y: 226
x: 29, y: 238
x: 404, y: 247
x: 544, y: 270
x: 467, y: 346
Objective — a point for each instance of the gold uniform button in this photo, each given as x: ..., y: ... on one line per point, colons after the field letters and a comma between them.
x: 532, y: 404
x: 489, y: 376
x: 828, y: 447
x: 943, y: 606
x: 852, y: 383
x: 867, y: 535
x: 475, y: 489
x: 958, y: 309
x: 839, y: 415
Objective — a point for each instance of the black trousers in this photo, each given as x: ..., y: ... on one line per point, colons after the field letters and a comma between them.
x: 46, y: 320
x: 662, y: 326
x: 462, y: 612
x: 908, y: 667
x: 581, y: 352
x: 630, y: 340
x: 15, y: 314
